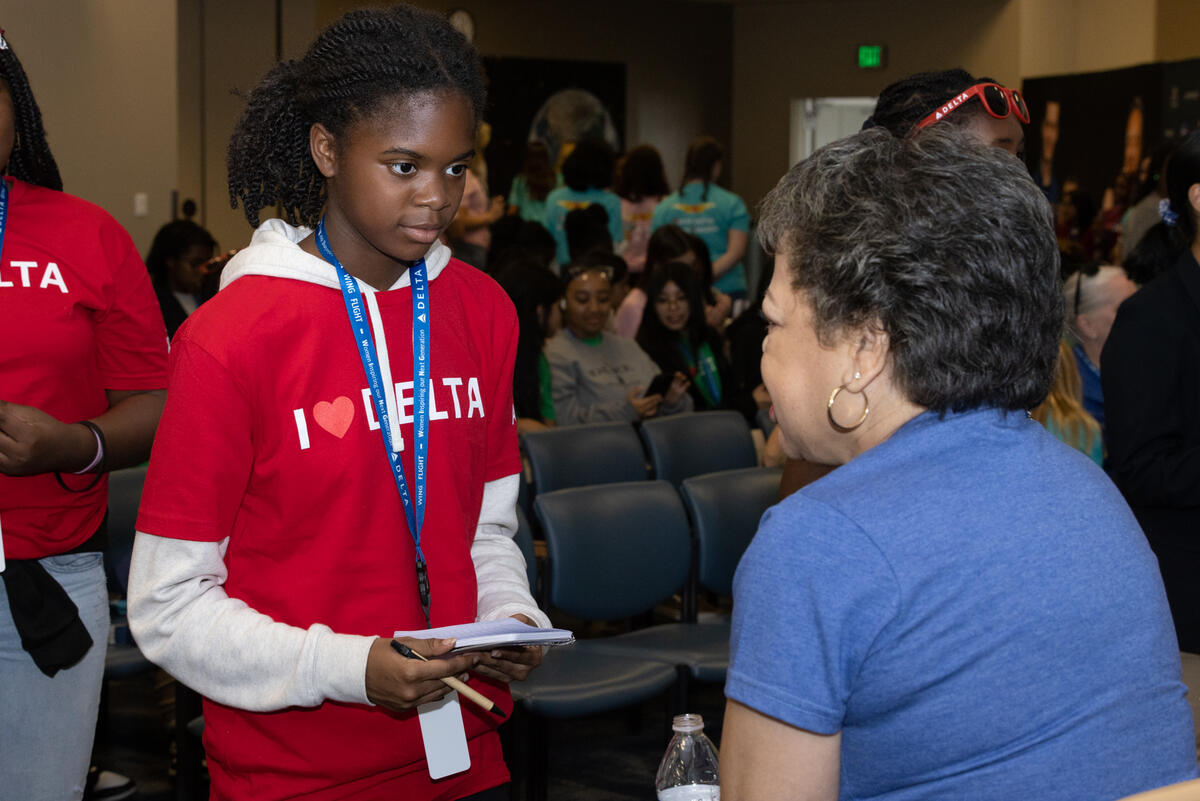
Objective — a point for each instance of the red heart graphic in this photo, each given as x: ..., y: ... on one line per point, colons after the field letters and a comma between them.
x: 334, y: 417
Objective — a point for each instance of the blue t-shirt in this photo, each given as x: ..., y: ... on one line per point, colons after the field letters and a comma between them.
x: 711, y: 218
x: 972, y: 604
x: 529, y: 208
x: 563, y: 200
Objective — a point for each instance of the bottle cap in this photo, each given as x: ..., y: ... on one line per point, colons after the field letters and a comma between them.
x: 688, y: 724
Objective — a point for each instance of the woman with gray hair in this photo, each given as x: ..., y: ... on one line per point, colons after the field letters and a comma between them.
x: 965, y: 607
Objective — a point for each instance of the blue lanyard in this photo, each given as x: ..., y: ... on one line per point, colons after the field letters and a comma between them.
x: 414, y: 511
x: 3, y: 210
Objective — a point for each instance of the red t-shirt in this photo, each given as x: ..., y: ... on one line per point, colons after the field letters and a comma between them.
x: 77, y: 316
x: 269, y: 438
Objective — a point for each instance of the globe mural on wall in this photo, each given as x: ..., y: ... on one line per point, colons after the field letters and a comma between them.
x: 572, y: 115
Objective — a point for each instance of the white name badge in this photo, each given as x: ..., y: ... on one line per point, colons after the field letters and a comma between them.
x: 445, y: 736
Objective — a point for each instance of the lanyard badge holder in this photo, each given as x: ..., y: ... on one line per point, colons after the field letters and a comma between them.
x: 441, y: 722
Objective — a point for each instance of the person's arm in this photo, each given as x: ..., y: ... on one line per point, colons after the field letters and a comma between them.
x: 184, y: 622
x: 764, y: 759
x: 503, y: 584
x: 1152, y: 445
x: 568, y: 409
x: 677, y: 399
x: 34, y: 442
x: 734, y: 251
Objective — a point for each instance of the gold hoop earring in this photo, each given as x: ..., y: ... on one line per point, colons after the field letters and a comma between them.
x: 861, y: 419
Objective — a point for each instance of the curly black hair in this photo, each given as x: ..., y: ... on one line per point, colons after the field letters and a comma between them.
x: 366, y: 59
x: 31, y: 160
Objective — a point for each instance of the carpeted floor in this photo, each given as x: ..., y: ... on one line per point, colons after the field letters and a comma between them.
x: 611, y: 757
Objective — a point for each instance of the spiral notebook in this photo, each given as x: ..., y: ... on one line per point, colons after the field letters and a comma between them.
x: 506, y: 633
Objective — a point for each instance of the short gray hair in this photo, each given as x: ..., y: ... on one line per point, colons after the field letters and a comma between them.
x: 945, y: 243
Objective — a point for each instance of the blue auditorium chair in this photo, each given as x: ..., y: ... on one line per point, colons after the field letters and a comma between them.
x: 577, y: 456
x: 685, y: 445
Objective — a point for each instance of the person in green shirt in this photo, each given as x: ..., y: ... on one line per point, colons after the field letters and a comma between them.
x: 715, y: 215
x: 675, y: 335
x: 527, y: 194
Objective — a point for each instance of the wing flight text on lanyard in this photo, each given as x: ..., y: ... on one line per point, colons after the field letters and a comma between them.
x: 414, y: 509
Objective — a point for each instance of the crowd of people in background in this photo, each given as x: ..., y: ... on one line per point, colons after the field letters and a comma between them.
x: 633, y: 300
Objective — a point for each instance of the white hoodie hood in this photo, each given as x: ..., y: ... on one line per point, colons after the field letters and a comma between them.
x: 274, y: 250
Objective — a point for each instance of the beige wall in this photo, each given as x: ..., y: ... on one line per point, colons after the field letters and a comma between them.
x: 103, y: 72
x: 1177, y: 28
x: 225, y: 48
x: 787, y: 51
x: 1066, y: 36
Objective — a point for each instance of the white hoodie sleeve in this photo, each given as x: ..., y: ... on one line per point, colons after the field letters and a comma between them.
x: 182, y: 619
x: 499, y: 564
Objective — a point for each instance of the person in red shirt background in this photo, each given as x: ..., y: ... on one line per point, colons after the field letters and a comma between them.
x: 275, y: 553
x: 82, y: 373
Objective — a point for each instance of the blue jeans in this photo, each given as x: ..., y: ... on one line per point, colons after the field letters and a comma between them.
x: 47, y: 724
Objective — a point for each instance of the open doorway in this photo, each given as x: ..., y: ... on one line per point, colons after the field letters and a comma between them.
x: 817, y: 121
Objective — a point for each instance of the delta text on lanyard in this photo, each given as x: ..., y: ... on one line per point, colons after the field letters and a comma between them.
x: 414, y: 509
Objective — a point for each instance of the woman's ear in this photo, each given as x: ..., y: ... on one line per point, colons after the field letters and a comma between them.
x: 323, y: 147
x: 868, y: 349
x: 1194, y: 198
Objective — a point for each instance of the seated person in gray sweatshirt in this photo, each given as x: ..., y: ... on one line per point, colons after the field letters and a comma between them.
x: 597, y: 376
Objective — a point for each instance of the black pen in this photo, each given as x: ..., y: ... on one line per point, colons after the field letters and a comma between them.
x: 480, y: 699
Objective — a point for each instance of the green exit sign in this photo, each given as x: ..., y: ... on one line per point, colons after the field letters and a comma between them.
x: 871, y: 57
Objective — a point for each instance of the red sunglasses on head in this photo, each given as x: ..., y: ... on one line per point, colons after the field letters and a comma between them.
x: 998, y: 101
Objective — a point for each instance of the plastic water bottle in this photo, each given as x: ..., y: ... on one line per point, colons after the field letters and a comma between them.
x: 688, y: 771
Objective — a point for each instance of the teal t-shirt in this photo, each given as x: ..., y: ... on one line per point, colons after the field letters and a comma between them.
x: 564, y: 200
x: 528, y: 207
x: 711, y: 218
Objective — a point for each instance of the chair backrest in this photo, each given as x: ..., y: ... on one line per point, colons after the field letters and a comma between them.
x: 615, y: 550
x: 124, y: 497
x: 580, y: 456
x: 685, y: 445
x: 524, y: 540
x: 725, y: 508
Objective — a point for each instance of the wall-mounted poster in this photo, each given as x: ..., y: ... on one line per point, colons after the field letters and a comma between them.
x: 1088, y: 145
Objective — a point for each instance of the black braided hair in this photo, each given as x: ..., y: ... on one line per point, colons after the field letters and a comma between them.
x: 366, y: 59
x: 909, y: 100
x: 31, y: 160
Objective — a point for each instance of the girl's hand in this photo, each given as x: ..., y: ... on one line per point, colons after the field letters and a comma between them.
x: 679, y: 385
x: 510, y: 664
x: 398, y: 683
x: 644, y: 407
x: 33, y: 442
x: 716, y: 314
